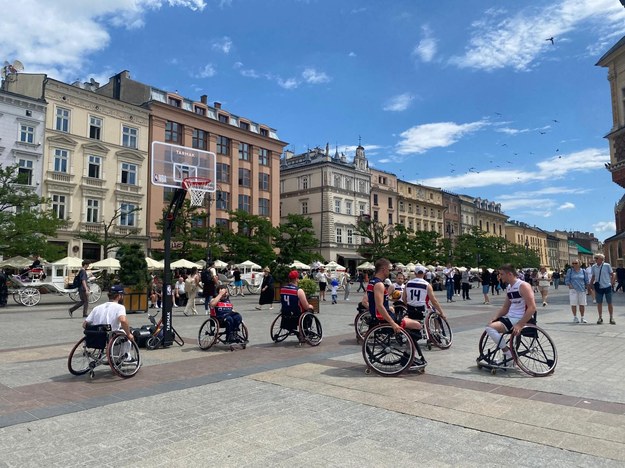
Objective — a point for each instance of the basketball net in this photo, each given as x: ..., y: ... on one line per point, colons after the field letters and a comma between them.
x: 197, y: 188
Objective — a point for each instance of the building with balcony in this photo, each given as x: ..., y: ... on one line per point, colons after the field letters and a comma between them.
x: 384, y: 198
x: 333, y: 191
x: 94, y: 163
x: 489, y: 217
x: 247, y: 152
x: 420, y: 207
x: 451, y: 217
x: 529, y: 237
x: 22, y: 129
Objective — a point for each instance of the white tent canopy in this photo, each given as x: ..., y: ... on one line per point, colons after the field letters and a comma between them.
x: 182, y: 263
x: 333, y: 266
x: 16, y: 262
x: 249, y: 265
x: 220, y: 264
x: 107, y: 264
x: 71, y: 262
x: 154, y: 264
x: 299, y: 265
x: 365, y: 266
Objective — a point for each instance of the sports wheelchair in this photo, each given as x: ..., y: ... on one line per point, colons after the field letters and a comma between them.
x: 213, y: 330
x: 306, y: 326
x: 101, y: 345
x: 533, y: 351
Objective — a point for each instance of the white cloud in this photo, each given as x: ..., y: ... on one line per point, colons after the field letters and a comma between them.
x: 421, y: 138
x: 566, y: 206
x: 352, y: 54
x: 49, y: 40
x: 223, y: 45
x: 289, y: 83
x: 207, y: 71
x: 585, y: 160
x: 312, y: 76
x: 517, y: 41
x: 511, y: 131
x: 604, y: 226
x: 398, y: 103
x: 427, y: 46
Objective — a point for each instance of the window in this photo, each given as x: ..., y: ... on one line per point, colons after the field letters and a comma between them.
x: 95, y: 128
x: 27, y: 133
x: 244, y: 151
x: 390, y: 202
x: 200, y: 139
x: 223, y: 118
x: 173, y: 132
x: 487, y: 226
x: 244, y: 126
x: 263, y: 181
x: 304, y: 207
x: 127, y: 214
x: 93, y: 210
x: 263, y: 156
x: 390, y: 219
x: 199, y: 110
x: 129, y: 137
x: 222, y: 224
x: 244, y: 203
x: 61, y: 158
x: 25, y: 172
x: 337, y: 181
x: 401, y: 205
x: 337, y: 205
x: 304, y: 181
x: 62, y: 120
x: 223, y: 200
x: 361, y: 209
x: 375, y: 216
x: 375, y: 199
x: 223, y: 145
x: 348, y: 207
x: 263, y: 207
x: 59, y: 206
x: 129, y: 174
x: 350, y: 236
x: 348, y: 184
x: 174, y: 102
x: 223, y: 173
x: 264, y: 132
x: 339, y: 235
x: 95, y: 162
x: 244, y: 177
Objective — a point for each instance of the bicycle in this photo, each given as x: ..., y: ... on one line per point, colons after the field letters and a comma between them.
x: 156, y: 339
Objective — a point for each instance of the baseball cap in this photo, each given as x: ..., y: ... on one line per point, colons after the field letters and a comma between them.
x: 419, y: 269
x: 293, y: 274
x: 117, y: 288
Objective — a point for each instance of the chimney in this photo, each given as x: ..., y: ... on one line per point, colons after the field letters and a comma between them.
x: 203, y: 98
x: 217, y: 105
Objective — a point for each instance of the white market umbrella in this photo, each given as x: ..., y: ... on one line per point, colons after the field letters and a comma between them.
x: 16, y: 262
x: 71, y: 262
x: 154, y: 264
x: 333, y: 266
x: 220, y: 264
x: 182, y: 263
x: 365, y: 266
x: 410, y: 266
x: 430, y: 267
x: 107, y: 264
x: 249, y: 265
x: 299, y: 265
x: 201, y: 263
x: 400, y: 265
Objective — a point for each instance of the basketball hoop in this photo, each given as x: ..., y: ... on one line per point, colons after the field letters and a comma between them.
x: 197, y: 187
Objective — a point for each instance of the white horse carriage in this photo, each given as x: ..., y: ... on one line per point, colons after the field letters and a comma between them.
x: 52, y: 278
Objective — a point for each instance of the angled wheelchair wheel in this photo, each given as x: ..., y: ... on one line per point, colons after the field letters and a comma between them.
x: 278, y: 333
x: 30, y: 297
x: 95, y: 292
x: 208, y: 334
x: 490, y: 353
x: 362, y: 323
x: 123, y: 355
x: 534, y: 351
x: 243, y: 334
x: 310, y: 329
x: 387, y: 352
x: 438, y: 330
x: 82, y: 359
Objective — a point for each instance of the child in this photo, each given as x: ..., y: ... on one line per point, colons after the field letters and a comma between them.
x: 335, y: 287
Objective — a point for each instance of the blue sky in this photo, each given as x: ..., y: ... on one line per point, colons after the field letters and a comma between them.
x: 465, y: 95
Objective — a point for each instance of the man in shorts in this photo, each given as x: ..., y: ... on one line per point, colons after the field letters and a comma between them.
x: 602, y: 281
x: 517, y: 310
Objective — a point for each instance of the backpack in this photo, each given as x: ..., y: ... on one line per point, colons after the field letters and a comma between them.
x: 77, y: 281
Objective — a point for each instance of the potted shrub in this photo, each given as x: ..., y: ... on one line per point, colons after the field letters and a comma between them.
x: 280, y: 273
x: 311, y: 290
x: 133, y: 274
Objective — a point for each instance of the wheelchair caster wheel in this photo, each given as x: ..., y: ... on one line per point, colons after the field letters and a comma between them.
x: 479, y: 366
x: 429, y: 346
x: 91, y: 374
x: 367, y: 371
x: 493, y: 371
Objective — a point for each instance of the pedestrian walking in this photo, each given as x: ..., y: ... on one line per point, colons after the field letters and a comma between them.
x: 603, y: 281
x: 466, y: 283
x: 577, y: 280
x: 83, y: 290
x: 266, y: 290
x: 191, y: 286
x: 543, y: 278
x: 346, y: 285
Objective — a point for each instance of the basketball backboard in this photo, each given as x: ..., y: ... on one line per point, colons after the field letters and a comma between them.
x: 171, y: 164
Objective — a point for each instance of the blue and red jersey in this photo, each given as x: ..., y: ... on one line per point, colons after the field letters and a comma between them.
x: 370, y: 297
x: 289, y: 299
x: 222, y: 309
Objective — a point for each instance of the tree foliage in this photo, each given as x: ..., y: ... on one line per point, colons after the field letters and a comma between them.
x: 26, y: 220
x: 133, y: 268
x: 251, y: 240
x: 108, y: 240
x: 376, y: 243
x: 296, y: 240
x: 187, y: 231
x: 476, y: 249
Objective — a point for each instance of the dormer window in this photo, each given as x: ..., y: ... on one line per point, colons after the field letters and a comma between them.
x: 174, y: 102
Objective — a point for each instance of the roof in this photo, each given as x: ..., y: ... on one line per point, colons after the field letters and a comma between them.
x: 613, y: 49
x: 580, y: 249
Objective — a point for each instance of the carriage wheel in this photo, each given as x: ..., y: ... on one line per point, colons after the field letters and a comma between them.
x: 16, y: 297
x: 30, y: 297
x: 95, y: 292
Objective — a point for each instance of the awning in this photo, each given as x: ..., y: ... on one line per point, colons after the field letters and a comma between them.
x: 351, y: 256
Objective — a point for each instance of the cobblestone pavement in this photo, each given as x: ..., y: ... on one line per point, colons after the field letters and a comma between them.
x: 286, y: 405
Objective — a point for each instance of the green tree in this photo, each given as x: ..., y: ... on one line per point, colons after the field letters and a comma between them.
x: 478, y: 249
x: 251, y: 240
x: 26, y: 220
x: 375, y: 233
x: 187, y: 230
x: 133, y: 268
x: 296, y: 240
x: 108, y: 240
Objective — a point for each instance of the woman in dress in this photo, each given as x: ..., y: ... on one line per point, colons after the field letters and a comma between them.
x: 266, y: 290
